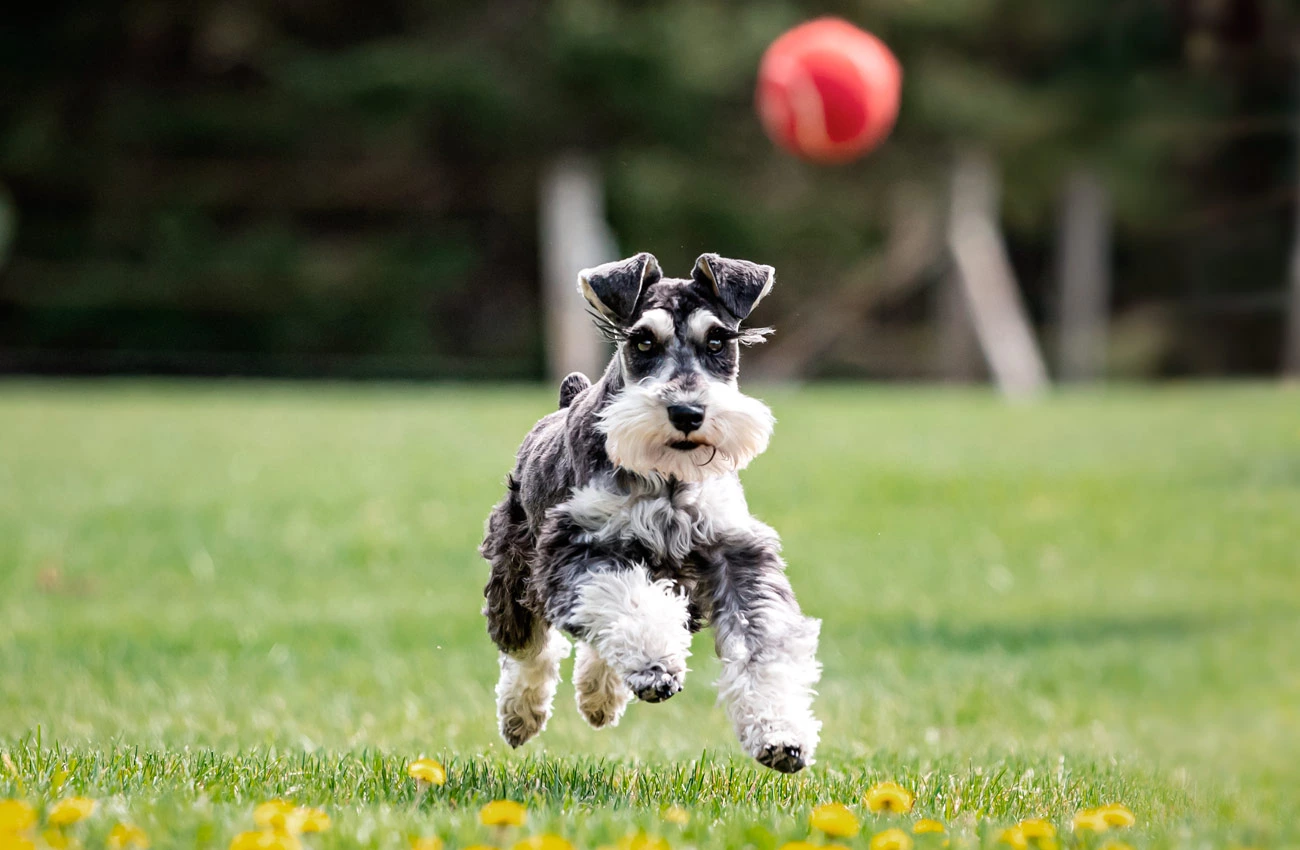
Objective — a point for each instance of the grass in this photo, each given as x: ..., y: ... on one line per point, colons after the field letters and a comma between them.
x: 211, y: 595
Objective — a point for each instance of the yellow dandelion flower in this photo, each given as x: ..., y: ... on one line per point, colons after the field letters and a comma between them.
x: 14, y: 841
x: 834, y: 819
x: 888, y: 797
x: 265, y: 839
x: 480, y: 847
x: 547, y: 841
x: 925, y: 825
x: 503, y: 813
x: 1090, y: 820
x: 426, y: 842
x: 1014, y: 837
x: 69, y: 810
x: 800, y: 845
x: 641, y: 841
x: 312, y: 820
x: 276, y: 814
x: 427, y: 770
x: 677, y: 815
x: 1037, y: 828
x: 1116, y: 845
x: 1117, y: 814
x: 16, y: 816
x: 127, y: 835
x: 891, y: 839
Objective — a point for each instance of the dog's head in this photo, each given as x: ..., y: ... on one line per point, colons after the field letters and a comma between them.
x: 680, y: 413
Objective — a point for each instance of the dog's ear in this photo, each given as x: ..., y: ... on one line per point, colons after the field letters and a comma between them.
x: 739, y: 284
x: 613, y: 288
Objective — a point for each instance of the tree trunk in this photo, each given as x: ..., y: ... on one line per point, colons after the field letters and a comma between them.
x: 574, y: 236
x: 1083, y: 277
x: 992, y: 296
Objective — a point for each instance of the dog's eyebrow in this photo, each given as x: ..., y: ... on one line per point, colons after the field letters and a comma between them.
x: 699, y: 323
x: 658, y: 321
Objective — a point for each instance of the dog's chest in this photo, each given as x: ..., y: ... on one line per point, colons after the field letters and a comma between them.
x: 669, y: 522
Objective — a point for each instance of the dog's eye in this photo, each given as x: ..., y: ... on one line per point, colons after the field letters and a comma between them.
x: 714, y: 344
x: 644, y: 344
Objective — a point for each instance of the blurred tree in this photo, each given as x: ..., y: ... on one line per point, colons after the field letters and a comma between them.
x: 351, y: 189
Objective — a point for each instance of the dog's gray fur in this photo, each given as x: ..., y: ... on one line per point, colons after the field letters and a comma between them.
x: 619, y: 531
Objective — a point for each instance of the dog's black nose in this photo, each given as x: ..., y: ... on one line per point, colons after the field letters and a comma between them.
x: 686, y: 417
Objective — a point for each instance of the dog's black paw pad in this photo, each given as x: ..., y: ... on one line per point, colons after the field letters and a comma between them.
x: 654, y: 685
x: 784, y: 758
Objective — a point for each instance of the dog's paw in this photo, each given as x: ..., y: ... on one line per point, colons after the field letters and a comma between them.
x: 655, y: 684
x: 521, y: 725
x: 784, y: 758
x: 604, y: 706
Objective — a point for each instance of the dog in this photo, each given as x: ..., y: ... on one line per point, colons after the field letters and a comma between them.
x: 624, y: 525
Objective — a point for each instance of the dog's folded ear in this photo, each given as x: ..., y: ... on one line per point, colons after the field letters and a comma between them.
x: 613, y: 288
x: 739, y: 284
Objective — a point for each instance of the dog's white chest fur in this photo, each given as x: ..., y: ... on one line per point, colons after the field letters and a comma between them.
x: 668, y: 521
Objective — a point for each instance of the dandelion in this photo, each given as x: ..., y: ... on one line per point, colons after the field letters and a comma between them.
x: 312, y: 820
x: 834, y: 819
x: 800, y: 845
x: 1036, y: 828
x: 427, y: 772
x: 426, y: 842
x: 1116, y: 845
x: 56, y: 839
x: 14, y: 841
x: 16, y: 816
x: 1090, y: 820
x: 925, y: 825
x: 677, y: 815
x: 889, y: 797
x: 1014, y: 837
x: 891, y: 839
x: 265, y: 839
x: 641, y: 841
x: 503, y: 813
x: 69, y: 810
x: 277, y: 814
x: 1117, y: 814
x: 127, y: 835
x: 547, y: 841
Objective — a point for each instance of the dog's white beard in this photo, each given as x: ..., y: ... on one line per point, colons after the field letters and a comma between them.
x: 638, y: 434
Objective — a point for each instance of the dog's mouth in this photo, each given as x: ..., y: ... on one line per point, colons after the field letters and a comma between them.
x: 685, y: 445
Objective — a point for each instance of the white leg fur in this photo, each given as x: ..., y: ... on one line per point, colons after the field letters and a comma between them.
x: 527, y: 686
x: 598, y: 688
x: 768, y: 691
x: 639, y: 628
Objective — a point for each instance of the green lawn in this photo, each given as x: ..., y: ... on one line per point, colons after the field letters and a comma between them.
x: 211, y: 595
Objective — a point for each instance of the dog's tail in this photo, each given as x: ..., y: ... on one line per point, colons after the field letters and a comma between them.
x: 573, y: 383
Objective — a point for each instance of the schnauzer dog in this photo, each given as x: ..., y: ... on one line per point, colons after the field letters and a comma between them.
x: 624, y: 524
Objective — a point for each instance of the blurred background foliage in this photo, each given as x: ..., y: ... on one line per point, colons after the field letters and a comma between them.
x: 334, y: 188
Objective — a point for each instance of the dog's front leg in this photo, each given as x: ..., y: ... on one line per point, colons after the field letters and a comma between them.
x: 638, y: 627
x: 769, y: 654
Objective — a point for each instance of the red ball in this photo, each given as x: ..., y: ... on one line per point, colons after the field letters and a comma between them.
x: 828, y: 91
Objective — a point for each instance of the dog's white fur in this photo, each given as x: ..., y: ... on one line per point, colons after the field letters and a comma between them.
x: 637, y: 626
x: 669, y: 525
x: 526, y: 687
x: 638, y: 435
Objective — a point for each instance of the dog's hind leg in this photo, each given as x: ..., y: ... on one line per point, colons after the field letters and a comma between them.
x: 601, y: 694
x: 527, y: 685
x: 531, y: 650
